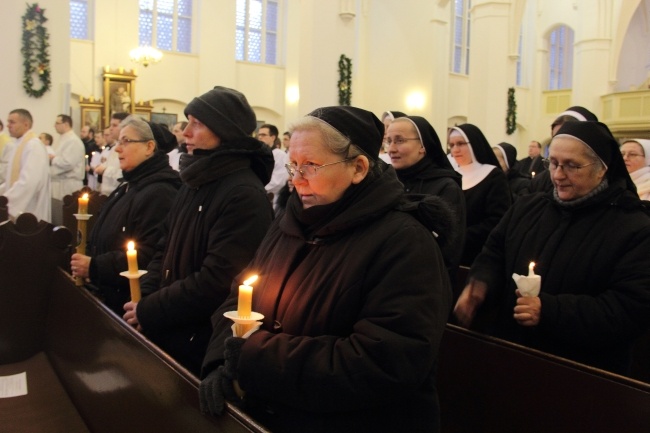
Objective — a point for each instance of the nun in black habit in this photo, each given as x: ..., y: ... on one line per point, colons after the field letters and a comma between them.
x: 487, y: 195
x: 518, y: 181
x: 423, y: 168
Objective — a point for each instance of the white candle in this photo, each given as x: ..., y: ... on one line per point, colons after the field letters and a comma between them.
x: 529, y: 286
x: 132, y: 257
x: 532, y: 174
x: 245, y: 301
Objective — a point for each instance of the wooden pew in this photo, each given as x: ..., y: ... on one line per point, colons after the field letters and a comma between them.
x: 87, y: 370
x: 490, y: 385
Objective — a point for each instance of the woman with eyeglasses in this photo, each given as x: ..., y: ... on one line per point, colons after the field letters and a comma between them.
x: 636, y: 155
x: 589, y: 241
x: 423, y: 168
x: 354, y: 294
x: 487, y: 195
x: 133, y: 212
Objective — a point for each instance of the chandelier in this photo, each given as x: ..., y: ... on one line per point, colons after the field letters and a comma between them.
x: 145, y: 55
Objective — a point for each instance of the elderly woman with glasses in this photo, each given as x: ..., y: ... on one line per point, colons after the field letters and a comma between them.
x: 589, y: 240
x: 354, y: 294
x: 636, y: 154
x: 133, y: 212
x: 485, y: 186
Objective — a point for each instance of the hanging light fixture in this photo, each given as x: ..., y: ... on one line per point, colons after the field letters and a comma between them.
x: 145, y: 55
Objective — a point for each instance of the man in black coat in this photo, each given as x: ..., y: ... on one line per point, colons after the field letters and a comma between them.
x: 214, y: 227
x: 533, y: 163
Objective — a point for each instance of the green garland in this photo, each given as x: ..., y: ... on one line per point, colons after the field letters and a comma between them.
x: 36, y: 60
x: 511, y: 117
x: 345, y: 80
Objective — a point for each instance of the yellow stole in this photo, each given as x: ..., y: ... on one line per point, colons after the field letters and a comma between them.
x: 15, y: 165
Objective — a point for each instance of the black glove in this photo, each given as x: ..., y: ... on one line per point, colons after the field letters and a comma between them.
x: 231, y: 354
x: 214, y: 390
x: 218, y: 387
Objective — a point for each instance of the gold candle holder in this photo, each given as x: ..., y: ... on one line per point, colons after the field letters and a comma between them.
x: 82, y: 224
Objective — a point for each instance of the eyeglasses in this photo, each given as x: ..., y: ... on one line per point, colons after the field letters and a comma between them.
x: 566, y: 168
x: 307, y: 171
x: 460, y: 143
x: 398, y: 140
x: 631, y: 154
x: 127, y: 141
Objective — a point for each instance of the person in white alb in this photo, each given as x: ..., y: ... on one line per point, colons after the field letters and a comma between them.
x: 27, y: 175
x: 67, y: 165
x: 110, y: 169
x: 268, y: 134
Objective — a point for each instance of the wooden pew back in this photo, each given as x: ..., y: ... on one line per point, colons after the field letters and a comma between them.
x: 490, y: 385
x: 87, y: 370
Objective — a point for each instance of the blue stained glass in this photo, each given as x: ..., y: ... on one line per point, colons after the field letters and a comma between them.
x: 254, y: 46
x: 78, y: 19
x: 271, y: 48
x: 255, y: 15
x: 271, y: 17
x: 239, y: 44
x: 146, y: 4
x: 184, y: 35
x: 185, y: 8
x: 145, y: 27
x: 164, y: 32
x: 458, y: 31
x: 165, y: 6
x: 240, y: 16
x: 457, y: 51
x: 460, y: 5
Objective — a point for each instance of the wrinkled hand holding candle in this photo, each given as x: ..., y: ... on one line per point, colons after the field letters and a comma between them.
x: 245, y: 301
x: 530, y: 285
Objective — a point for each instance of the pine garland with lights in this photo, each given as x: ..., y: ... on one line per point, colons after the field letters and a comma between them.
x: 345, y: 80
x: 511, y: 117
x: 36, y: 59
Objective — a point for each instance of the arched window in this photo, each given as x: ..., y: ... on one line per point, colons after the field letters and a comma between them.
x: 460, y: 39
x: 256, y: 36
x: 166, y: 24
x: 79, y: 22
x: 560, y: 64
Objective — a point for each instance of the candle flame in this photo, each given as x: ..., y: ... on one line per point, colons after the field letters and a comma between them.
x: 85, y: 196
x: 531, y: 266
x: 131, y: 245
x: 250, y: 281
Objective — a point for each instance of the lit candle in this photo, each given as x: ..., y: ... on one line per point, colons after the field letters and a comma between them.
x: 132, y: 258
x: 532, y: 174
x: 245, y: 302
x: 529, y: 286
x: 83, y: 204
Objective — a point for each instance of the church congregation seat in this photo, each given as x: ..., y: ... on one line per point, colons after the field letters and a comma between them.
x: 86, y: 370
x: 490, y: 385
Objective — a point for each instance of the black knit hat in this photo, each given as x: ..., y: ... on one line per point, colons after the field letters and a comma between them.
x: 165, y: 140
x: 225, y: 112
x: 598, y: 137
x: 360, y: 126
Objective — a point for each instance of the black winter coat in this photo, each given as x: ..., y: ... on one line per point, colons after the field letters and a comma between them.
x: 217, y: 222
x: 426, y: 178
x: 595, y: 269
x: 354, y: 314
x: 134, y: 211
x: 486, y: 203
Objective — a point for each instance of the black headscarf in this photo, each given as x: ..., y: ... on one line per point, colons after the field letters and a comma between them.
x: 431, y: 141
x: 598, y: 137
x: 511, y: 154
x: 480, y: 147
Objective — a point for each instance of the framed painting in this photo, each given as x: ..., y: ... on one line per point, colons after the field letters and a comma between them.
x: 165, y: 118
x: 119, y: 92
